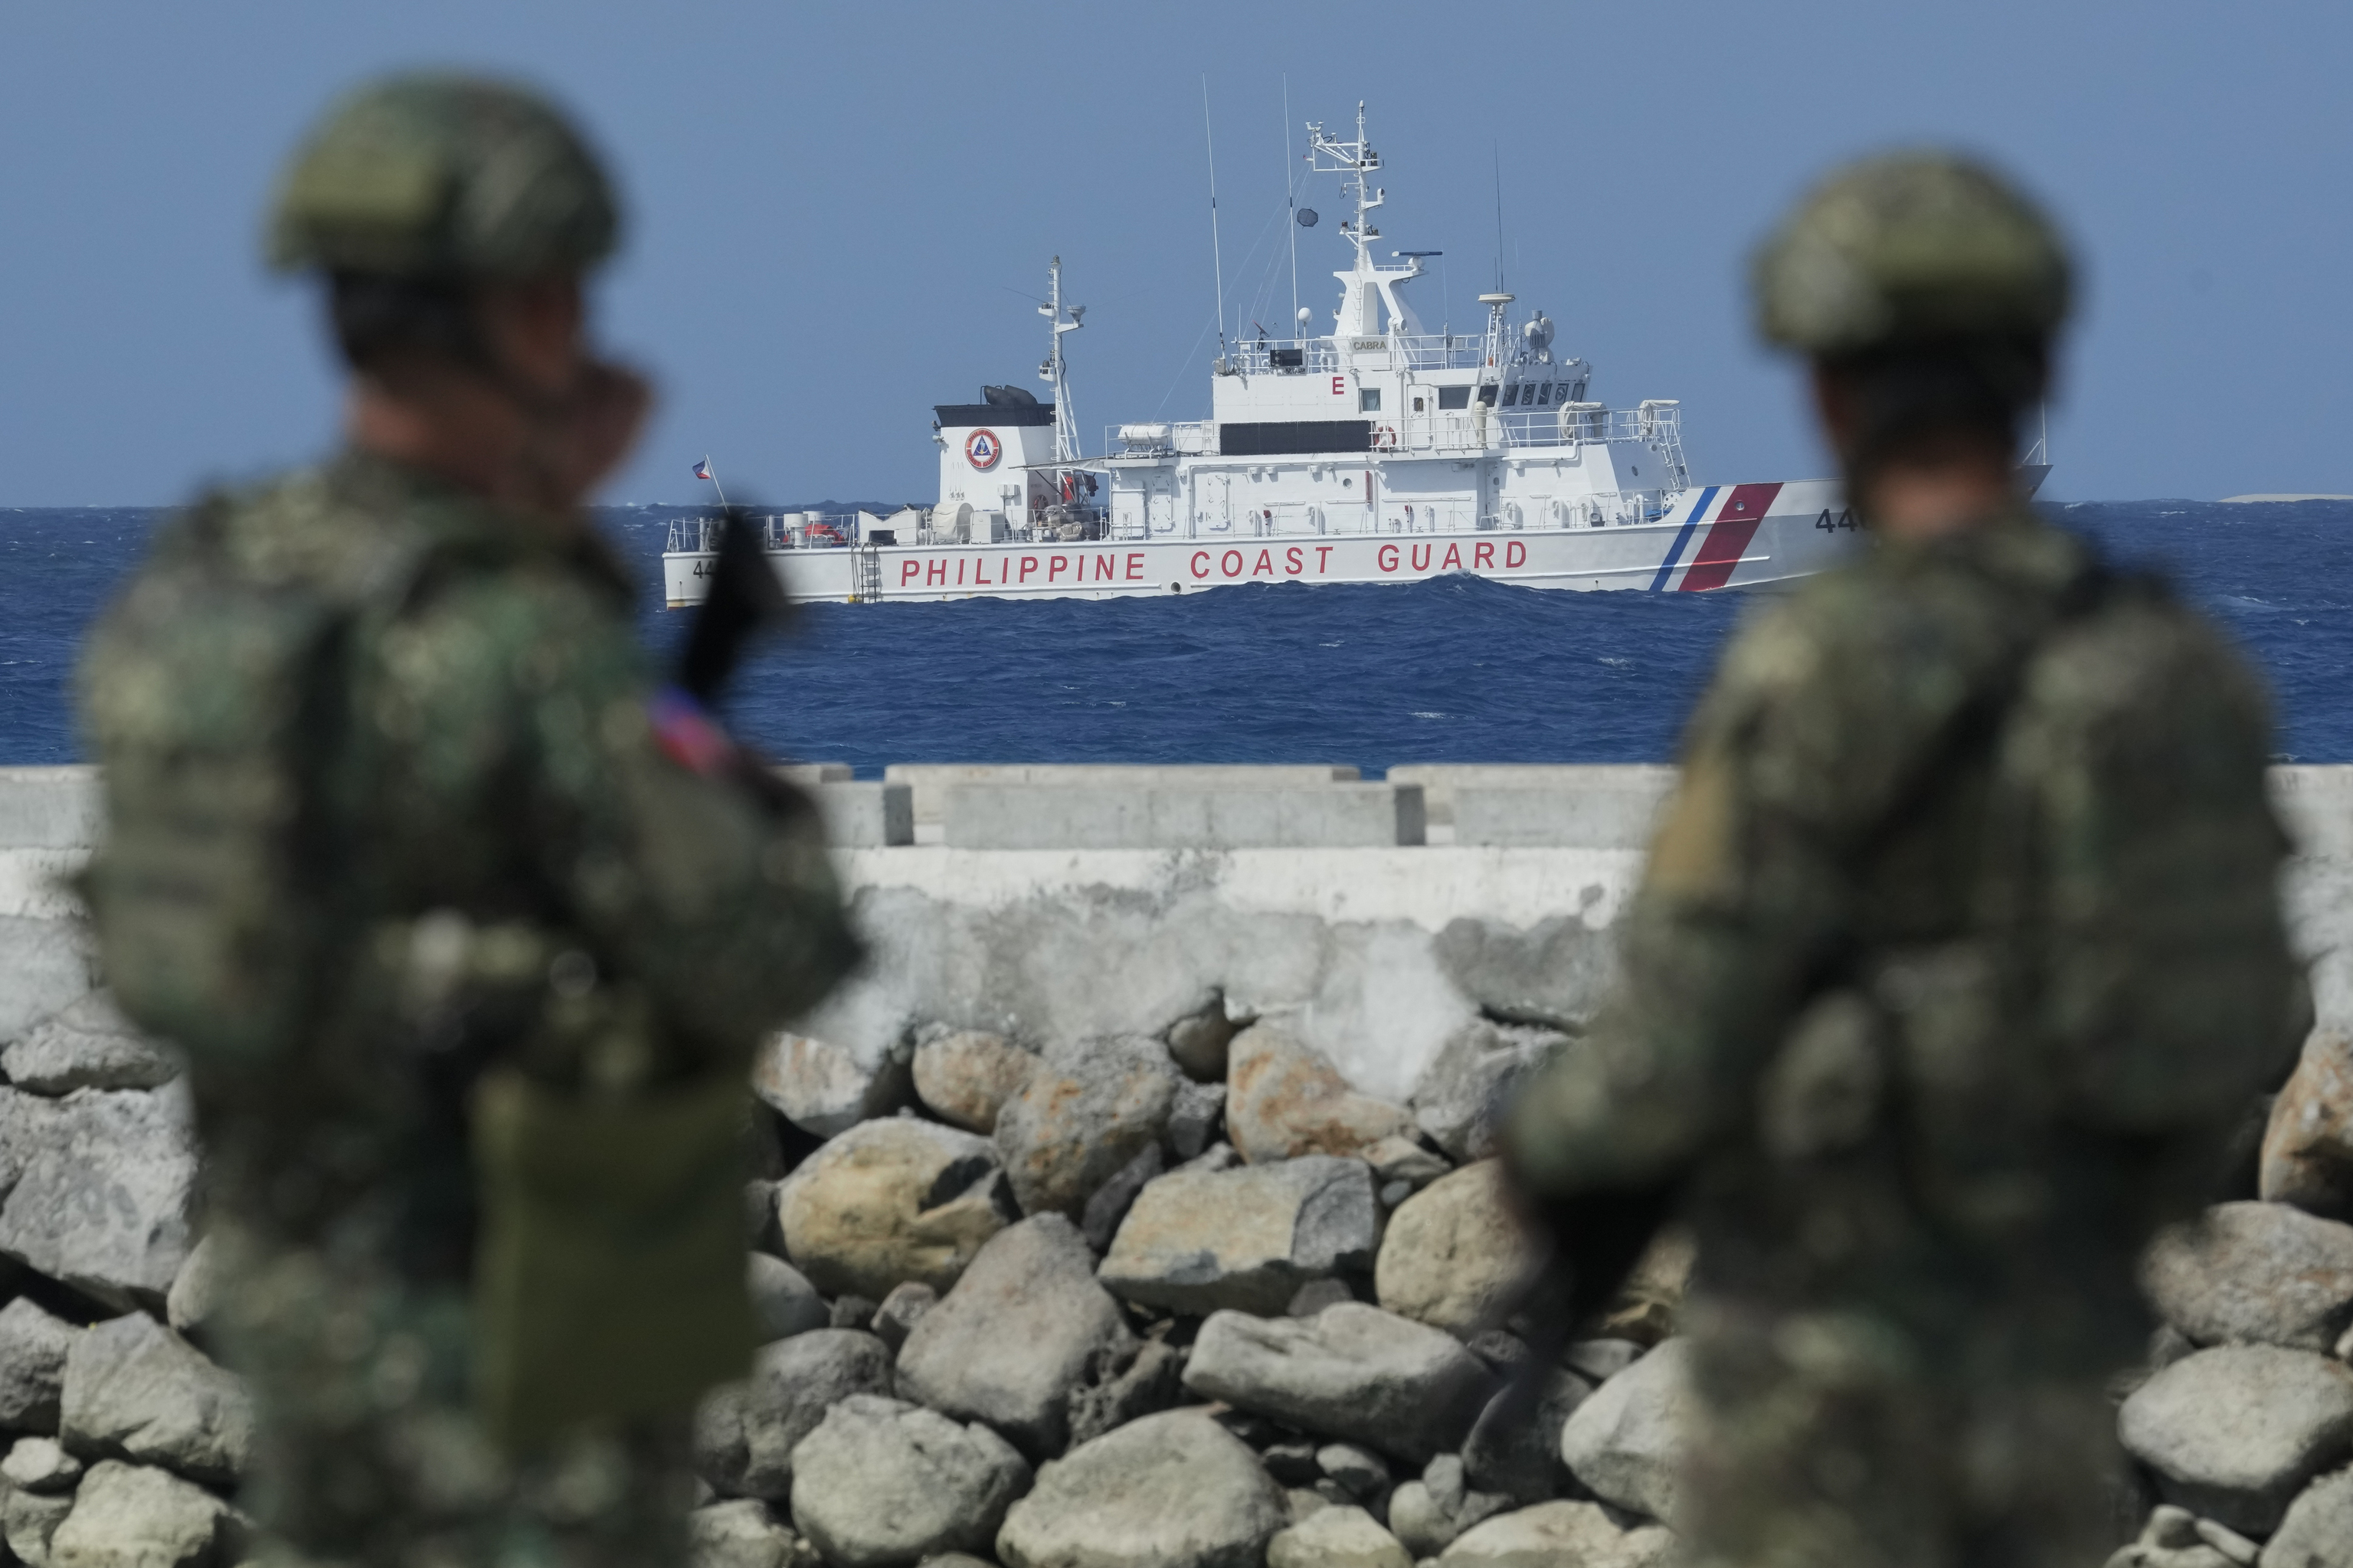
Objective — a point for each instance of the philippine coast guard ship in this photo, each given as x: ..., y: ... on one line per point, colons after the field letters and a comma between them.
x: 1379, y: 452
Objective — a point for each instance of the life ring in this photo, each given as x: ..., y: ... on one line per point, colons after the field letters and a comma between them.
x: 1384, y: 437
x: 825, y: 531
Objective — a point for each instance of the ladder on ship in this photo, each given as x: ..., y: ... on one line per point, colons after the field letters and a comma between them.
x: 865, y: 573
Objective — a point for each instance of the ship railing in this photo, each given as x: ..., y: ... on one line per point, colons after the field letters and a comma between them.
x: 778, y: 531
x: 1280, y: 357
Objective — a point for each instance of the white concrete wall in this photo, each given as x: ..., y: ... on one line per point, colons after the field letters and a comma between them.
x: 1376, y: 954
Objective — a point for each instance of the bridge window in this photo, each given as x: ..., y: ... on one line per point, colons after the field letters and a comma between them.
x: 1453, y: 397
x: 1368, y: 401
x: 1511, y: 395
x: 1487, y: 395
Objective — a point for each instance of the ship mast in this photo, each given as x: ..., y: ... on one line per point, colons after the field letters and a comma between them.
x: 1055, y: 370
x: 1365, y: 285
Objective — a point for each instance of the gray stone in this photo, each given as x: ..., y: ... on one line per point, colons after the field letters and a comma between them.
x: 102, y: 1190
x: 1196, y: 1119
x: 966, y: 1075
x: 1151, y: 1383
x: 1599, y: 1360
x: 1626, y: 1440
x: 1360, y: 1469
x: 1402, y: 1159
x: 825, y: 1089
x: 783, y: 1303
x: 30, y: 1522
x: 2227, y: 1542
x: 1336, y: 1537
x: 851, y: 1312
x: 2173, y: 1538
x: 1351, y: 1372
x: 2253, y: 1272
x: 2317, y: 1531
x: 1421, y: 1527
x: 742, y: 1533
x: 1284, y: 1100
x: 41, y: 1465
x: 1456, y: 1255
x: 2234, y: 1432
x: 1111, y: 1201
x: 194, y: 1288
x: 901, y: 1310
x: 883, y: 1484
x: 892, y: 1201
x: 134, y: 1387
x: 1172, y: 1490
x: 133, y: 1516
x: 1447, y: 1482
x: 2307, y: 1151
x: 1025, y: 1326
x: 89, y: 1045
x: 1555, y: 1535
x: 1092, y: 1106
x: 1198, y: 1240
x: 1305, y: 1502
x: 1198, y: 1042
x: 1461, y: 1099
x: 32, y: 1346
x: 745, y: 1433
x: 1514, y: 1449
x: 1394, y: 1193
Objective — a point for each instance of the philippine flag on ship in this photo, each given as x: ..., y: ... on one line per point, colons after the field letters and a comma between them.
x: 702, y: 469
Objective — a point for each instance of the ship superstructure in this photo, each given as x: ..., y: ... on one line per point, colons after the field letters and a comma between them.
x: 1378, y: 451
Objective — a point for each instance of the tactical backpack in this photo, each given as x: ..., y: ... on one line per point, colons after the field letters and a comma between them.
x: 2126, y: 978
x: 211, y: 693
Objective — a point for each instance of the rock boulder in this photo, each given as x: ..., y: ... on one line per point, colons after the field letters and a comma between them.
x: 133, y: 1516
x: 1173, y: 1490
x: 2308, y: 1158
x: 1456, y: 1256
x: 1284, y: 1100
x: 2317, y: 1531
x: 32, y: 1346
x: 1338, y: 1537
x: 1555, y: 1535
x: 1025, y: 1327
x: 742, y: 1533
x: 1090, y: 1109
x: 783, y: 1303
x: 90, y: 1046
x: 884, y: 1484
x: 1626, y: 1441
x: 892, y: 1201
x: 1351, y: 1372
x: 2254, y: 1272
x: 824, y: 1088
x: 1463, y: 1095
x: 2233, y: 1433
x: 1200, y: 1240
x: 967, y: 1075
x: 744, y: 1434
x: 101, y: 1199
x: 134, y: 1388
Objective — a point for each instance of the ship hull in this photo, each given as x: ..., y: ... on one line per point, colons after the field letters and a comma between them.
x: 1712, y: 538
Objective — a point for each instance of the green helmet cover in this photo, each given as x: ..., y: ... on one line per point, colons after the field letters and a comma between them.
x: 1910, y: 247
x: 439, y: 174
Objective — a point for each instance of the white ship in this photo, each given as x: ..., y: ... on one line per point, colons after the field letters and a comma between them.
x: 1379, y: 452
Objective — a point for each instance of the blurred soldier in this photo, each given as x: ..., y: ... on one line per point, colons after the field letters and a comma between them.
x: 1956, y: 954
x: 468, y: 930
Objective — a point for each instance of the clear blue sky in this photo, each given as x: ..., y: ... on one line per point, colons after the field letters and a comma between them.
x: 839, y: 210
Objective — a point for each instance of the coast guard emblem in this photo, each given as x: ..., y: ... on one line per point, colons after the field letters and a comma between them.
x: 982, y: 448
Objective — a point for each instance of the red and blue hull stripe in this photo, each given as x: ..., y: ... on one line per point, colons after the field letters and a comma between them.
x: 1724, y: 520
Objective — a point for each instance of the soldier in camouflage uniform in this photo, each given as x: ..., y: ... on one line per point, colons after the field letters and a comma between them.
x: 476, y: 1190
x: 1956, y: 951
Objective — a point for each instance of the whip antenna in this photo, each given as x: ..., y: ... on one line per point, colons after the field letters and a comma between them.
x: 1217, y: 255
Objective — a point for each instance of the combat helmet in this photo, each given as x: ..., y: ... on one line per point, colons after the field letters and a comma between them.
x: 1910, y: 249
x: 441, y: 176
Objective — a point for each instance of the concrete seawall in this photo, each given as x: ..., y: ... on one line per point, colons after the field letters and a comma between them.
x: 1056, y: 903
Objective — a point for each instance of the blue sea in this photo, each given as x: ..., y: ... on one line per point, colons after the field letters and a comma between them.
x: 1453, y: 669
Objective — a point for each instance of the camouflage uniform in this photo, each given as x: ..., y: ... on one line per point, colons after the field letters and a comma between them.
x: 1917, y: 1192
x: 524, y: 878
